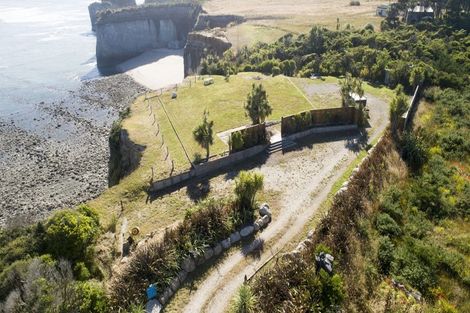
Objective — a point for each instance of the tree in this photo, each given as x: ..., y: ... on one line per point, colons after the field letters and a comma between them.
x: 257, y: 105
x: 398, y: 107
x: 247, y: 184
x: 350, y: 85
x: 204, y: 134
x: 417, y: 76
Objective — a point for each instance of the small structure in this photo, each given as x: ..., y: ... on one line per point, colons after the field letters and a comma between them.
x: 419, y: 13
x: 208, y: 81
x: 358, y: 100
x: 152, y: 292
x: 382, y: 10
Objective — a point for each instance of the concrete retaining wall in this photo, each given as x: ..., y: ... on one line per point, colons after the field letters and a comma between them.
x: 406, y: 121
x: 207, y: 168
x: 319, y: 118
x: 322, y: 130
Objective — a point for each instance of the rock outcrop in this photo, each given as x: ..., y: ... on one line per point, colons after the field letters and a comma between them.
x: 199, y: 45
x: 206, y: 21
x: 96, y: 7
x: 125, y: 33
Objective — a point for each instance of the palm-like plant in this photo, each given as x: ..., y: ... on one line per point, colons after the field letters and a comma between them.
x: 257, y: 105
x: 204, y: 134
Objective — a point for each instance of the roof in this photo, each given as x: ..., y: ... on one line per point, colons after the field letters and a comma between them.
x: 356, y: 97
x: 422, y: 9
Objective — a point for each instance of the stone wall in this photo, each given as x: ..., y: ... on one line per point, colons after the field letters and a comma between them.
x: 199, y: 45
x: 192, y: 263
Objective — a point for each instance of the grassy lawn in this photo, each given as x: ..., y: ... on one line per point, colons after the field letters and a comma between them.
x: 248, y: 34
x: 224, y: 101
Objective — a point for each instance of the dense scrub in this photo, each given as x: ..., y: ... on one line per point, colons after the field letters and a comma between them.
x: 429, y: 54
x: 50, y: 267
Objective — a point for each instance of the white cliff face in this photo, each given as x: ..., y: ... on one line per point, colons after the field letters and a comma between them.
x: 119, y: 41
x: 167, y: 31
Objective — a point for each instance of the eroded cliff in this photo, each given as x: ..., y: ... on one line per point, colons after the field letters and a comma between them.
x: 125, y: 33
x: 199, y: 45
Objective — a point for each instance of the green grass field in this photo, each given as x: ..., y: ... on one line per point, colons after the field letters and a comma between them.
x: 225, y: 103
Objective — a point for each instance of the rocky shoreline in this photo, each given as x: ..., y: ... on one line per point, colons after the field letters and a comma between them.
x: 58, y: 156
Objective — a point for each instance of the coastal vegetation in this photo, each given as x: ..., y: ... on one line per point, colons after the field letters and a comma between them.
x: 403, y: 221
x: 204, y: 225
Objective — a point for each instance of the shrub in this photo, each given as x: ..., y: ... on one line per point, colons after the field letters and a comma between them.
x: 430, y: 189
x: 369, y: 27
x: 326, y: 292
x: 417, y: 225
x: 71, y: 234
x: 92, y: 298
x: 81, y: 272
x: 267, y: 66
x: 415, y: 263
x: 354, y: 3
x: 391, y: 204
x: 385, y: 254
x: 245, y: 301
x: 413, y: 151
x: 247, y: 185
x: 276, y: 70
x: 386, y: 225
x: 236, y: 141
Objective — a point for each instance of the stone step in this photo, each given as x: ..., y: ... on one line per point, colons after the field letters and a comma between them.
x: 284, y: 144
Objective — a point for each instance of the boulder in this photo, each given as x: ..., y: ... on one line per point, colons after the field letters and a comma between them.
x: 310, y: 234
x: 256, y: 225
x: 175, y: 284
x: 188, y: 265
x: 226, y: 243
x: 301, y: 246
x: 208, y: 254
x: 246, y: 231
x: 165, y: 296
x: 266, y: 220
x: 182, y: 276
x: 264, y: 210
x: 153, y: 306
x: 235, y: 237
x: 218, y: 249
x: 308, y: 242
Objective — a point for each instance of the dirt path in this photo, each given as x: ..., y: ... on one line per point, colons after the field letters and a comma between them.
x: 304, y: 178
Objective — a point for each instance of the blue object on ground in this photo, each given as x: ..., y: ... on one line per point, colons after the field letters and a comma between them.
x: 152, y: 291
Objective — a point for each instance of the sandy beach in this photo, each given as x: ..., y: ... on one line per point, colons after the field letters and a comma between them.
x: 156, y: 69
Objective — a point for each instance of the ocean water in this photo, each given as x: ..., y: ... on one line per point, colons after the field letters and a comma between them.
x: 46, y: 49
